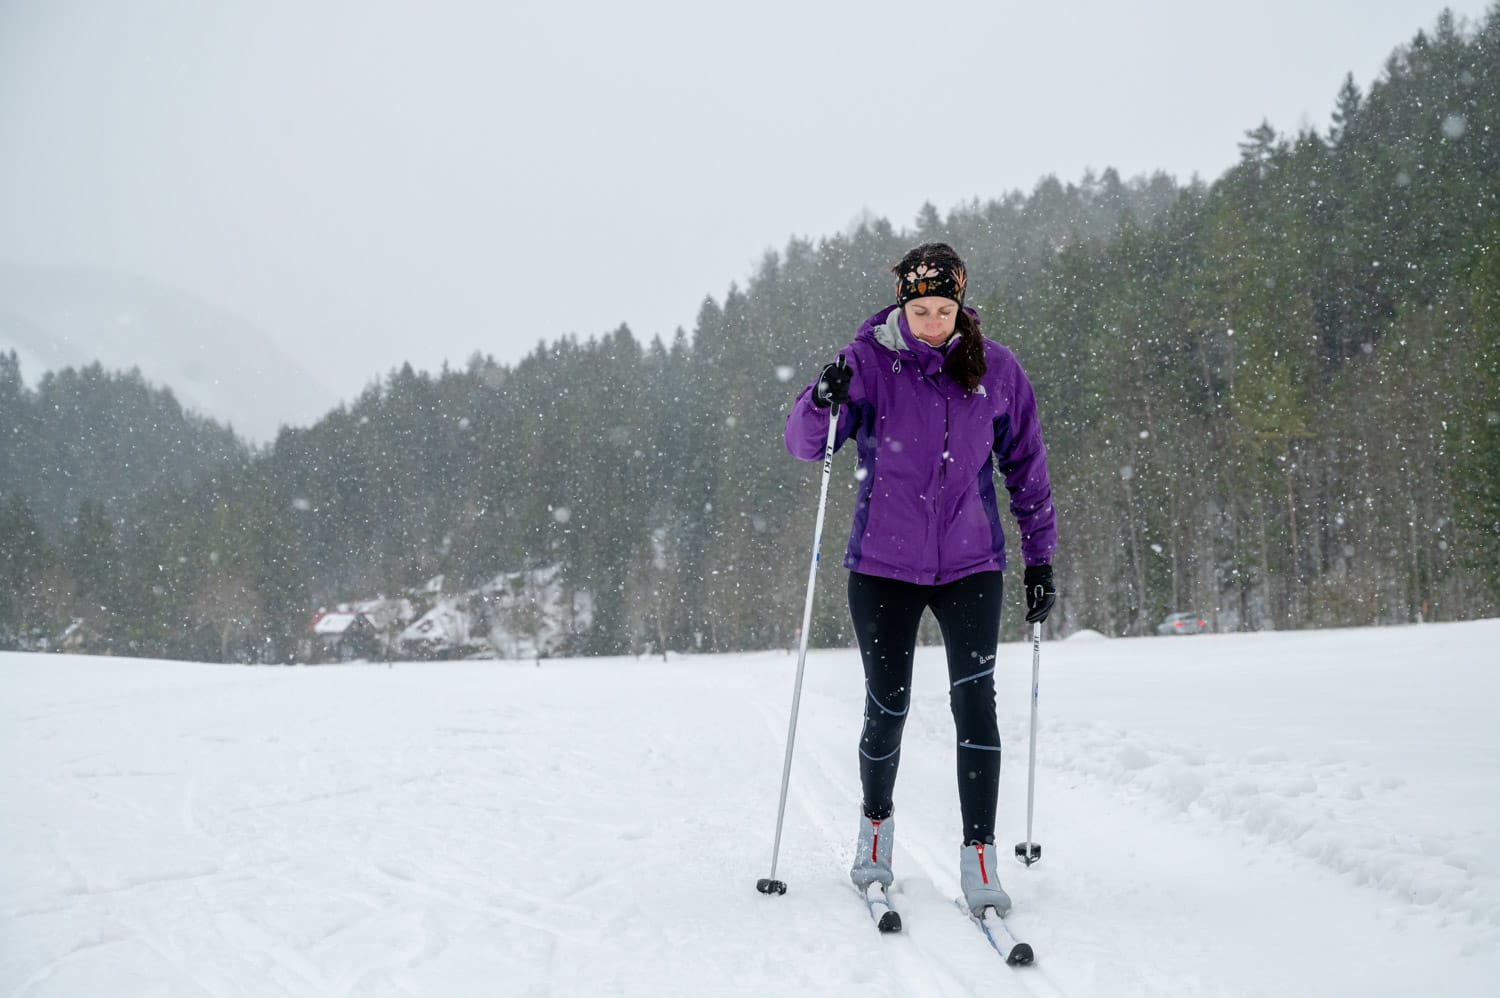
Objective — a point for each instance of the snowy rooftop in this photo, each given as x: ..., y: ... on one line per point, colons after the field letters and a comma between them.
x: 333, y: 623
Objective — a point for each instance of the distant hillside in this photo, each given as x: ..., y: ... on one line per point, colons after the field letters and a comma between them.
x: 215, y: 363
x: 90, y: 434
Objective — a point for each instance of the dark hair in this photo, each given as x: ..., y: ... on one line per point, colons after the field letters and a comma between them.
x: 965, y: 362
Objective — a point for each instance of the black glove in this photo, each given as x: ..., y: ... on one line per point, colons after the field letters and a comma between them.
x: 833, y: 385
x: 1040, y: 593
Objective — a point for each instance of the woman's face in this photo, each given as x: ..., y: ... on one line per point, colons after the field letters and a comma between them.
x: 932, y: 319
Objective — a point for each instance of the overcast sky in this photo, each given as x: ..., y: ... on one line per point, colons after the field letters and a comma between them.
x: 373, y: 182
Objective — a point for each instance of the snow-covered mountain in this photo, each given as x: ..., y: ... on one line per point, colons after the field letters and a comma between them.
x: 215, y: 363
x: 1310, y: 813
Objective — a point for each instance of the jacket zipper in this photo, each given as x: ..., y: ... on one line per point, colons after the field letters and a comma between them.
x: 942, y: 481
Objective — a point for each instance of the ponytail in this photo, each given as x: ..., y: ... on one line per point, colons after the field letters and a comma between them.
x: 965, y: 363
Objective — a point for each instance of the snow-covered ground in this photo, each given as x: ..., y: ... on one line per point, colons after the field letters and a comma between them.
x: 1268, y: 814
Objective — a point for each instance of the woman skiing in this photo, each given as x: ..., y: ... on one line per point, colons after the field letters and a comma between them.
x: 934, y: 409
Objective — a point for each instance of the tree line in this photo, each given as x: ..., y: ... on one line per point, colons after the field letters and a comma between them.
x: 1273, y: 399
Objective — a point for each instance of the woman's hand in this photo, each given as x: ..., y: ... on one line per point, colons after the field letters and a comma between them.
x: 832, y: 388
x: 1040, y: 593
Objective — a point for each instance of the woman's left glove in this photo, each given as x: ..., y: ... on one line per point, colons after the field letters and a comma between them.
x: 1040, y: 593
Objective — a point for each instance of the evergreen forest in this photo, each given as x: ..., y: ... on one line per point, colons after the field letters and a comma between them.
x: 1272, y: 398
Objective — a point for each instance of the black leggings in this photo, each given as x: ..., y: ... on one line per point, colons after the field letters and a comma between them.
x: 886, y: 616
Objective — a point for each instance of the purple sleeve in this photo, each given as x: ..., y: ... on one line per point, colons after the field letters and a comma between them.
x: 806, y: 431
x: 1023, y: 462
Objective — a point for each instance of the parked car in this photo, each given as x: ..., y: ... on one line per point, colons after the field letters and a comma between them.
x: 1183, y: 623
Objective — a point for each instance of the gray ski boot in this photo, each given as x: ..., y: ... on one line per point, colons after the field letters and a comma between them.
x: 872, y: 852
x: 980, y: 880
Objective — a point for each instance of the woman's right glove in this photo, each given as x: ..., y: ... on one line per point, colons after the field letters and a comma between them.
x: 833, y: 385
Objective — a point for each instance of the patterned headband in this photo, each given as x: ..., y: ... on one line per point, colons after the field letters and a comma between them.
x: 931, y: 278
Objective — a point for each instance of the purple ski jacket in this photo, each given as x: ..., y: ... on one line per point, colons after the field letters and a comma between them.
x: 926, y: 511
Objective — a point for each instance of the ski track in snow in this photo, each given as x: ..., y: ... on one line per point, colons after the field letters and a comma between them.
x: 1308, y: 813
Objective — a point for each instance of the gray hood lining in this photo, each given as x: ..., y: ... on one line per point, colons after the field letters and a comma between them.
x: 888, y: 333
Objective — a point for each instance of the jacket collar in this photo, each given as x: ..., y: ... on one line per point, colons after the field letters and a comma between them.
x: 889, y: 329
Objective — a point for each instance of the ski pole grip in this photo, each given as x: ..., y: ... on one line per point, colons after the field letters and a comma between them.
x: 842, y: 365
